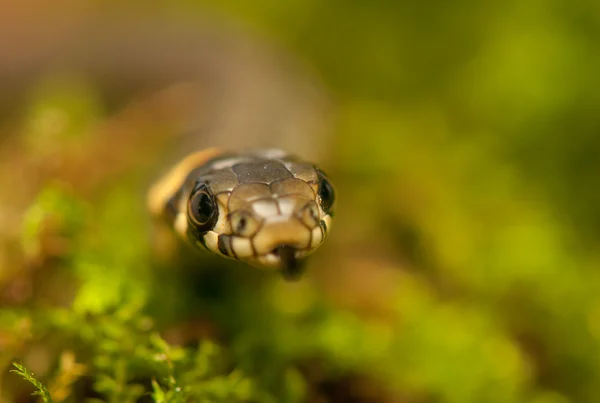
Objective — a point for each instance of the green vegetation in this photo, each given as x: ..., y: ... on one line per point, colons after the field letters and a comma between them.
x: 462, y: 266
x: 42, y: 391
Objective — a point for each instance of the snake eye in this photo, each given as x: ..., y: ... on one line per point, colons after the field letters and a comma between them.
x: 244, y: 224
x: 202, y: 209
x: 326, y: 193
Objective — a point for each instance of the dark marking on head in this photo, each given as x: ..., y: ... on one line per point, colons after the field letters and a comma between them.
x: 221, y: 244
x: 323, y: 226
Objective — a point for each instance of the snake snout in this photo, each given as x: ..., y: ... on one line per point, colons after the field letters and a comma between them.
x: 280, y: 231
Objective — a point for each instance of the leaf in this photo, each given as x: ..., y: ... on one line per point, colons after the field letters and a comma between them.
x: 42, y: 391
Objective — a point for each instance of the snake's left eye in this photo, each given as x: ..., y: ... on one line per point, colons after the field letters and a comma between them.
x: 326, y: 193
x: 202, y: 209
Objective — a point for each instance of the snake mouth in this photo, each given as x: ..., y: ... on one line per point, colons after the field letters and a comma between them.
x: 290, y: 265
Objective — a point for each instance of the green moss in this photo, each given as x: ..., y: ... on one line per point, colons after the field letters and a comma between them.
x: 41, y: 391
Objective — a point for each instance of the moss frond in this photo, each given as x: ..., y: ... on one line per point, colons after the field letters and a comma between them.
x: 41, y: 391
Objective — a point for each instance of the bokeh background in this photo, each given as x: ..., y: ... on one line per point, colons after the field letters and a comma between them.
x: 463, y: 266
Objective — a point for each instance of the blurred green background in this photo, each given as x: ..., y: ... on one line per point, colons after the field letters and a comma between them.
x: 463, y: 265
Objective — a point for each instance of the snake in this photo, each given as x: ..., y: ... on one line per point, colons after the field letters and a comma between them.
x: 265, y: 207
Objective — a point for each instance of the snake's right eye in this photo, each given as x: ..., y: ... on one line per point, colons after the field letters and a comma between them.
x: 202, y: 209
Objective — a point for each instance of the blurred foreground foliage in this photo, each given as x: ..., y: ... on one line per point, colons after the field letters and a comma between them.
x: 463, y: 266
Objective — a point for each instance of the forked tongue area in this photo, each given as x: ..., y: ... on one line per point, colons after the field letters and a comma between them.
x: 291, y: 268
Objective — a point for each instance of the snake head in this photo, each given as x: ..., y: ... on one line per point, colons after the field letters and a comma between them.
x: 266, y: 208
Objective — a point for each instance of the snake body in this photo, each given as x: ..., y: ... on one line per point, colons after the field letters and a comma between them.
x: 264, y: 207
